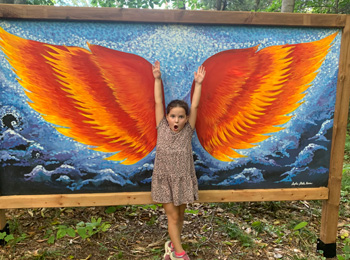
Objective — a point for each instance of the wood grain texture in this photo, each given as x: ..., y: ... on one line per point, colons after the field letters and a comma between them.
x: 329, y: 220
x: 8, y: 11
x: 331, y: 195
x: 2, y: 219
x: 136, y: 198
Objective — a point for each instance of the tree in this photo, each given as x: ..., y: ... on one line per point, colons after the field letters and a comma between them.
x: 235, y: 5
x: 299, y: 6
x: 29, y: 2
x: 12, y: 2
x: 288, y: 6
x: 323, y: 6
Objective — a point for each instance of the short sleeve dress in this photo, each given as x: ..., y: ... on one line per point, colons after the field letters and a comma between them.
x: 174, y: 179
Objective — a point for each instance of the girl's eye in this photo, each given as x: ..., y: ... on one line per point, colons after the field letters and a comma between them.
x: 181, y: 117
x: 172, y: 116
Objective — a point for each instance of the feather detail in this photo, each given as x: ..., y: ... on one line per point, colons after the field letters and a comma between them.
x: 249, y: 93
x: 99, y: 97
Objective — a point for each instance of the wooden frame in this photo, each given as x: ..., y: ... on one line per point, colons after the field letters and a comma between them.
x: 106, y: 199
x: 331, y: 206
x: 330, y: 195
x: 169, y: 16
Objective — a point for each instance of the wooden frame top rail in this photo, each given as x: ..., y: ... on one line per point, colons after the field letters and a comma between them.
x: 11, y: 11
x: 135, y: 198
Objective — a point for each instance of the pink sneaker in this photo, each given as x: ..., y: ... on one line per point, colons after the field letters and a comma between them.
x: 184, y: 257
x: 168, y: 250
x: 168, y: 247
x: 166, y: 257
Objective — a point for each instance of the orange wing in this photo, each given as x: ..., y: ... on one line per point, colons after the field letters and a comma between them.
x: 98, y: 97
x: 247, y: 93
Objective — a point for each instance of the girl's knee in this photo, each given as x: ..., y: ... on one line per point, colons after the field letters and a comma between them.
x: 181, y: 218
x: 175, y: 214
x: 175, y: 218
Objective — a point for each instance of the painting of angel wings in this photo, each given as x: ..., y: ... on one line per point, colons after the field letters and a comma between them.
x: 253, y: 126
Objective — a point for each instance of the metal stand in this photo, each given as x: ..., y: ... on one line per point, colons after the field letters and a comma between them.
x: 7, y: 230
x: 329, y: 250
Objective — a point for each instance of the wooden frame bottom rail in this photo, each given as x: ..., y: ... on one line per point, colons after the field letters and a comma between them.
x: 135, y: 198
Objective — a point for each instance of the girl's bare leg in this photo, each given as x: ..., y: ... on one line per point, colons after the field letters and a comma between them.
x: 182, y: 214
x: 175, y: 216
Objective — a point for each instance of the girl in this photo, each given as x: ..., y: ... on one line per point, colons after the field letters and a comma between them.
x: 174, y: 182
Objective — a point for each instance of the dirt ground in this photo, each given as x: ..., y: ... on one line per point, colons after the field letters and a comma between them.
x: 266, y: 230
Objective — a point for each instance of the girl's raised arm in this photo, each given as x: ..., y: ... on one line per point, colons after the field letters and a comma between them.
x: 158, y: 92
x: 198, y: 78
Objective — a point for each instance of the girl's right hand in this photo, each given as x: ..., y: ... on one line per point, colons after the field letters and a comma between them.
x: 156, y: 70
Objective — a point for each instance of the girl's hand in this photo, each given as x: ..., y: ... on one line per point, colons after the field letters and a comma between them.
x: 156, y: 70
x: 199, y: 75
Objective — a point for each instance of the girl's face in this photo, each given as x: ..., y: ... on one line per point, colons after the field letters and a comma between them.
x: 177, y: 119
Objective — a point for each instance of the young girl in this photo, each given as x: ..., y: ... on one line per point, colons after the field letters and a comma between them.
x: 174, y: 182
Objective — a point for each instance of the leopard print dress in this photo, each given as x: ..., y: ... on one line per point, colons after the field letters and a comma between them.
x: 174, y: 179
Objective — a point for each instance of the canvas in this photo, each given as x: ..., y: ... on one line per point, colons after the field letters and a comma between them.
x: 80, y: 119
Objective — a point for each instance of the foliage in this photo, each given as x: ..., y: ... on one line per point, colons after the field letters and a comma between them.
x: 84, y: 230
x: 301, y: 6
x: 313, y: 6
x: 345, y: 185
x: 323, y: 6
x: 345, y: 190
x: 347, y: 150
x: 127, y: 3
x: 235, y: 232
x: 254, y: 230
x: 10, y: 238
x: 346, y: 251
x: 300, y: 225
x: 30, y: 2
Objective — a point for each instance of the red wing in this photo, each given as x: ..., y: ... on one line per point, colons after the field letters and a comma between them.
x: 247, y: 93
x: 99, y: 97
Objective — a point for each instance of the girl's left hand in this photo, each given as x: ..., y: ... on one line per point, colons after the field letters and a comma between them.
x: 199, y: 75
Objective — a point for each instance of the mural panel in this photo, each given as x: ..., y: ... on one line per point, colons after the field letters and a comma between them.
x: 77, y: 110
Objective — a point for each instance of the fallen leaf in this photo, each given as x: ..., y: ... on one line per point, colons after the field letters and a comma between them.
x: 138, y: 249
x: 228, y: 243
x: 157, y: 243
x: 30, y: 212
x: 89, y: 256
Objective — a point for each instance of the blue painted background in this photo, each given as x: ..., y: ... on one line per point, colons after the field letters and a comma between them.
x: 36, y: 159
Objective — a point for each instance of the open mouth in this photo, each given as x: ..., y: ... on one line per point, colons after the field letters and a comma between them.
x: 176, y: 127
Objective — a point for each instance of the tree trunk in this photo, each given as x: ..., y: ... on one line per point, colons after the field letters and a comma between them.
x: 257, y: 4
x: 221, y: 5
x: 218, y: 5
x: 224, y: 5
x: 336, y: 8
x: 12, y: 1
x: 288, y: 6
x: 183, y: 6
